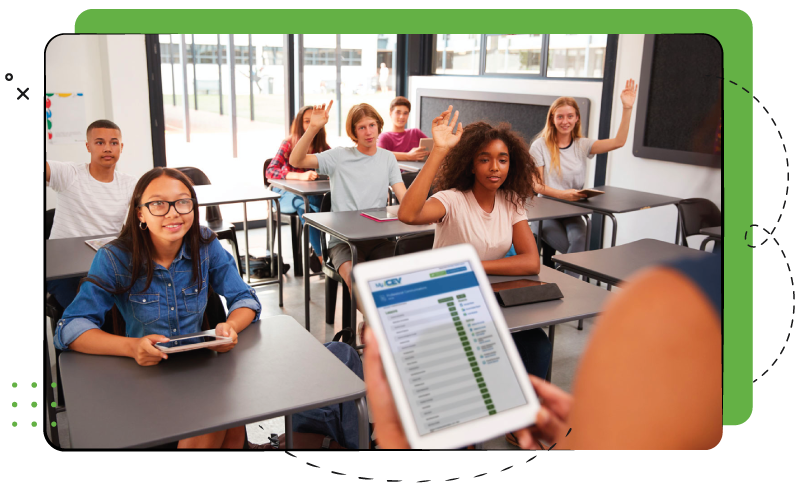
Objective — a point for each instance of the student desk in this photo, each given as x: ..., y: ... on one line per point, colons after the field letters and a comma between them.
x: 115, y: 403
x: 303, y: 189
x: 581, y: 300
x: 539, y: 209
x: 350, y: 227
x: 714, y: 233
x: 411, y: 166
x: 67, y: 258
x: 616, y: 264
x: 215, y: 194
x: 620, y: 200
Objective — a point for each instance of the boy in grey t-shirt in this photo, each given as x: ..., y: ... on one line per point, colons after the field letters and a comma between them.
x: 360, y: 176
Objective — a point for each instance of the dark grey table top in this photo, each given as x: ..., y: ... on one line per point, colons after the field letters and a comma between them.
x: 411, y: 166
x: 581, y: 300
x: 277, y: 368
x: 302, y: 188
x: 539, y: 208
x: 351, y: 226
x: 621, y: 200
x: 67, y: 258
x: 616, y: 264
x: 218, y: 194
x: 713, y: 232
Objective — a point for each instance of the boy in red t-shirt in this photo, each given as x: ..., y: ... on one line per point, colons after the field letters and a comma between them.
x: 404, y: 144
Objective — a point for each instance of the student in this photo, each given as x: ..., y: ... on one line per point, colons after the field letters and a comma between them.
x: 360, y: 177
x: 404, y: 144
x: 484, y: 175
x: 176, y: 262
x: 92, y: 198
x: 563, y: 153
x: 653, y: 388
x: 279, y: 168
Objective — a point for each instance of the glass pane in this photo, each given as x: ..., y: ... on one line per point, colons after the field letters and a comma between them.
x: 576, y: 55
x: 457, y: 54
x: 367, y: 75
x: 513, y: 53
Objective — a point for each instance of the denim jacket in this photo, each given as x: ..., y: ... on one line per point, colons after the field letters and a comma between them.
x: 171, y: 306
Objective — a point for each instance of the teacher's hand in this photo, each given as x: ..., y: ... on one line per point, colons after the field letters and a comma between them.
x: 225, y: 329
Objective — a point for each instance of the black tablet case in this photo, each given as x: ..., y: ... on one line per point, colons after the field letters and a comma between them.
x: 528, y: 294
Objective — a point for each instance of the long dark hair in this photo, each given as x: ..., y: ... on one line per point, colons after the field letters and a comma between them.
x: 456, y: 170
x: 137, y: 242
x: 320, y: 142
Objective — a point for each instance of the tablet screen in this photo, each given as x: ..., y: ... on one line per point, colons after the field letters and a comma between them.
x: 187, y: 341
x: 451, y: 360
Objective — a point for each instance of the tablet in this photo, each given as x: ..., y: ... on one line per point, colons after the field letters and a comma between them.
x: 426, y: 143
x: 453, y: 368
x: 191, y: 342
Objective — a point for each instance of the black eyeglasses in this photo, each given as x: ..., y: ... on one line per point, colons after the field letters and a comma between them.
x: 161, y: 208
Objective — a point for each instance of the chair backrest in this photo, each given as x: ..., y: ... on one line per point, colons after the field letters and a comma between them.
x: 49, y: 216
x: 697, y: 213
x: 264, y: 171
x: 414, y: 243
x: 199, y: 178
x: 326, y: 203
x: 408, y: 178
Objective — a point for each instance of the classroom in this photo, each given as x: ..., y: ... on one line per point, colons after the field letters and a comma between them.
x: 562, y: 192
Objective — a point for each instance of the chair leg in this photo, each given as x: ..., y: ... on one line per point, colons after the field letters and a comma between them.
x: 294, y: 221
x: 346, y: 309
x: 235, y: 247
x: 331, y: 290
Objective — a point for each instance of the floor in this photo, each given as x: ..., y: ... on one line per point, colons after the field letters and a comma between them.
x: 570, y: 342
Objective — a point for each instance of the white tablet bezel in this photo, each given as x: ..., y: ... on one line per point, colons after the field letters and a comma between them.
x: 462, y: 434
x: 220, y: 340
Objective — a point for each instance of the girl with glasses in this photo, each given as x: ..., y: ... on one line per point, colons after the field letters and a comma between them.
x: 159, y: 273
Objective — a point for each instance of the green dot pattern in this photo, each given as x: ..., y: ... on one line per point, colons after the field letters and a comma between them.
x: 14, y: 385
x: 33, y: 385
x: 33, y: 424
x: 53, y: 404
x: 33, y: 404
x: 53, y: 424
x: 13, y: 404
x: 14, y: 424
x: 53, y: 385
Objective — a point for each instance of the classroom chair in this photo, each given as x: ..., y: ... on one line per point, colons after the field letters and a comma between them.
x: 224, y: 231
x: 49, y: 217
x: 697, y: 213
x: 294, y: 225
x: 332, y: 281
x: 410, y: 244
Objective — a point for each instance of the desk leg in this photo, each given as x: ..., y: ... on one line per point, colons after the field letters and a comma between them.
x: 306, y: 273
x: 353, y: 315
x: 363, y: 423
x: 539, y: 237
x: 551, y: 333
x: 280, y: 252
x: 586, y: 248
x: 246, y: 247
x: 270, y: 243
x: 287, y: 428
x: 678, y: 227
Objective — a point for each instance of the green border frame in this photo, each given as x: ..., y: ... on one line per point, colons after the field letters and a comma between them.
x: 732, y: 28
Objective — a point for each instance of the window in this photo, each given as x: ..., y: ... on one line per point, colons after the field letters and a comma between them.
x: 529, y: 55
x: 327, y: 57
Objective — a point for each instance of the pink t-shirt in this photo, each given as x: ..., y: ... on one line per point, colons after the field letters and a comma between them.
x: 465, y: 222
x: 400, y: 142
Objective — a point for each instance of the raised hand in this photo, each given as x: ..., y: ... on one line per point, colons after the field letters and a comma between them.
x: 319, y: 115
x: 442, y: 132
x: 628, y: 95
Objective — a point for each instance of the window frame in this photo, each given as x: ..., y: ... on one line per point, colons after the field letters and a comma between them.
x: 542, y: 75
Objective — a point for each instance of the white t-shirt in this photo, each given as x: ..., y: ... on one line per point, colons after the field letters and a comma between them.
x: 465, y: 222
x: 573, y: 161
x: 85, y: 205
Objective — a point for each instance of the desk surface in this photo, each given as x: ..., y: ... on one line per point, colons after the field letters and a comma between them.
x: 621, y: 200
x: 411, y: 166
x: 581, y: 300
x: 351, y: 226
x: 713, y: 232
x: 616, y: 264
x: 277, y: 368
x: 539, y: 208
x: 67, y: 258
x: 217, y: 194
x: 302, y: 188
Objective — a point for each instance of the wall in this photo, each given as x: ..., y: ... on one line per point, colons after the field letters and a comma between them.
x: 624, y: 170
x: 111, y: 71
